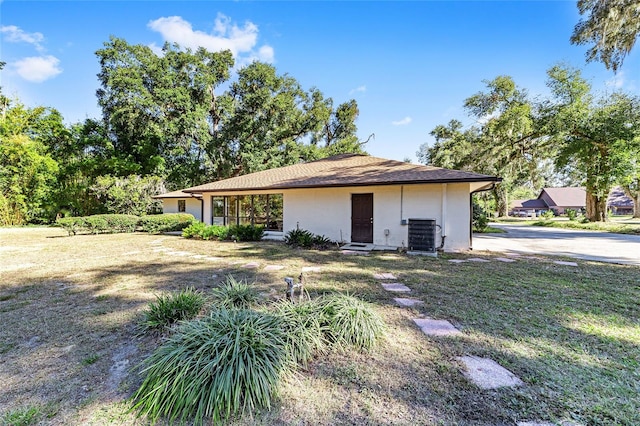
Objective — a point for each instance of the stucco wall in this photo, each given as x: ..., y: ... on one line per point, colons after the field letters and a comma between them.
x: 327, y: 211
x: 192, y: 206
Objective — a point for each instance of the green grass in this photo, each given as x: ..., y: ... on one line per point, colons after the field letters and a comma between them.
x: 24, y: 416
x: 170, y: 308
x: 618, y: 228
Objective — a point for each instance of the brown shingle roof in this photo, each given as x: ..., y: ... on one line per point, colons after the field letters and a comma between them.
x: 566, y: 197
x: 342, y: 170
x: 176, y: 194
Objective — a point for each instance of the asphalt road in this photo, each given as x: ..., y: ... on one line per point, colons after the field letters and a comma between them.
x: 587, y: 245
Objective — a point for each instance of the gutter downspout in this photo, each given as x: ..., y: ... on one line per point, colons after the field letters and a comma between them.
x: 201, y: 199
x: 443, y: 214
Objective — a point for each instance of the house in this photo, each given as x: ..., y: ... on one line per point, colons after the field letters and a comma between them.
x: 181, y: 202
x: 350, y: 198
x: 559, y: 200
x: 619, y: 203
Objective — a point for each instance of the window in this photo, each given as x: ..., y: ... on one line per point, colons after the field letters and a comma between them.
x: 264, y: 209
x: 182, y: 206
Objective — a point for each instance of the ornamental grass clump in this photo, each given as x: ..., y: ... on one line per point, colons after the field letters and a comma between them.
x: 171, y: 308
x: 235, y: 294
x: 304, y: 336
x: 349, y: 322
x: 214, y: 368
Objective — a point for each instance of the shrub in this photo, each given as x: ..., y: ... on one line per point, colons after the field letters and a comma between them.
x: 214, y: 368
x: 194, y: 230
x: 480, y: 219
x: 349, y: 321
x: 573, y: 214
x: 171, y: 308
x: 246, y: 232
x: 156, y: 224
x: 72, y: 225
x: 121, y: 222
x: 303, y: 332
x: 306, y: 239
x: 215, y: 232
x: 96, y: 224
x: 235, y: 294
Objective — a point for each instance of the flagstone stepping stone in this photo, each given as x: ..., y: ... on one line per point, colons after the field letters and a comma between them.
x: 311, y: 269
x: 505, y: 259
x: 432, y: 327
x: 179, y: 253
x: 561, y: 262
x: 408, y: 302
x: 384, y: 276
x: 213, y: 258
x: 488, y: 374
x: 251, y: 265
x: 273, y: 267
x: 396, y: 287
x: 477, y: 259
x: 513, y: 254
x: 199, y: 256
x: 355, y: 253
x: 457, y: 260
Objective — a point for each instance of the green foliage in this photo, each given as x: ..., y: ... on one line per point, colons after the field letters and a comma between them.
x: 21, y: 417
x: 572, y: 214
x: 611, y: 28
x: 129, y: 195
x: 303, y: 331
x: 235, y: 294
x: 194, y: 230
x: 306, y: 239
x: 547, y: 215
x: 173, y: 307
x: 349, y: 322
x: 111, y: 223
x: 246, y: 232
x: 220, y: 233
x: 480, y: 219
x: 211, y: 369
x: 155, y: 224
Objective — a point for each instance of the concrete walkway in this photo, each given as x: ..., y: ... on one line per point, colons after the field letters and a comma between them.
x: 578, y: 244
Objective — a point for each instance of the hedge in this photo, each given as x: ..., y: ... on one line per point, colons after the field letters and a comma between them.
x: 119, y: 223
x: 201, y: 231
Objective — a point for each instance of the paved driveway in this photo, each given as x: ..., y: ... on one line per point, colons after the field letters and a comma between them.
x: 588, y: 245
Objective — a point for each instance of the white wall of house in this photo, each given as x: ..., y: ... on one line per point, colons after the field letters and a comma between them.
x: 327, y: 211
x: 192, y: 206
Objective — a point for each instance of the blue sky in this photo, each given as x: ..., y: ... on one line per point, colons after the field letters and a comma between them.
x: 409, y: 65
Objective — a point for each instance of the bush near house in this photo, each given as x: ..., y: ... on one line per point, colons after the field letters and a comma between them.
x: 220, y: 233
x: 306, y: 239
x: 119, y: 223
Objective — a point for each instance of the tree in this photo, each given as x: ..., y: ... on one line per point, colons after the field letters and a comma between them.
x: 506, y: 142
x: 611, y: 27
x: 596, y: 136
x: 630, y: 181
x: 129, y: 195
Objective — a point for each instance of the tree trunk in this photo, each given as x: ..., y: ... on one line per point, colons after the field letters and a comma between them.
x: 596, y: 207
x: 635, y: 196
x: 500, y: 195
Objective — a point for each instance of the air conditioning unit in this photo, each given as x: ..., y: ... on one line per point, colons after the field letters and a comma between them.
x: 422, y: 235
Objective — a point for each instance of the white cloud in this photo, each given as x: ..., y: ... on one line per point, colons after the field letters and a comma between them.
x: 361, y: 89
x: 37, y: 68
x: 402, y: 122
x: 617, y: 81
x: 225, y: 35
x: 14, y: 34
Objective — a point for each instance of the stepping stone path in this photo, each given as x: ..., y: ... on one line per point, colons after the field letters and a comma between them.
x: 396, y: 287
x: 311, y: 269
x: 384, y: 276
x: 355, y: 253
x: 251, y: 265
x: 457, y: 260
x: 273, y: 267
x: 560, y: 262
x: 505, y: 259
x: 408, y: 302
x: 432, y: 327
x: 477, y: 259
x: 488, y: 374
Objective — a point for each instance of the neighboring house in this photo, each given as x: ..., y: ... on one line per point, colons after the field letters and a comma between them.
x: 351, y: 198
x: 619, y: 203
x: 181, y: 202
x: 557, y: 199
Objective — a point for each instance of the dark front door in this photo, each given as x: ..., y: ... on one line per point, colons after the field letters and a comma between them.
x: 362, y: 218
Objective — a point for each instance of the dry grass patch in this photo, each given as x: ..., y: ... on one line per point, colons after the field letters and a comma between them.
x: 71, y: 307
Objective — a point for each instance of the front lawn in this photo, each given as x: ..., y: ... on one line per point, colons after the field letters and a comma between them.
x: 71, y: 310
